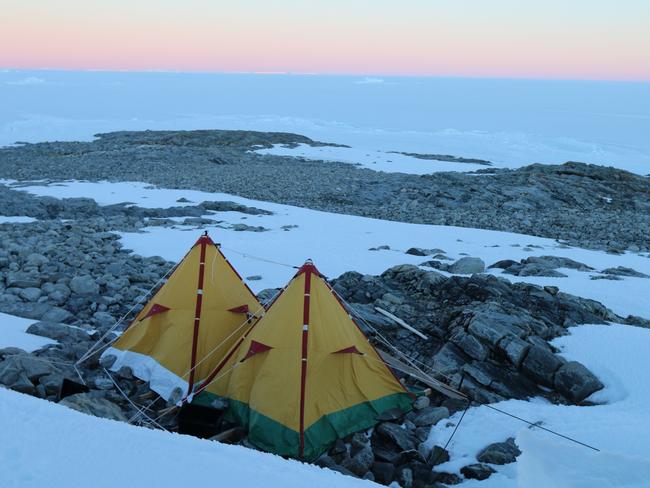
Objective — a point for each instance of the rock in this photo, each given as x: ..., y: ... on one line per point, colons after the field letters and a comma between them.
x: 514, y: 348
x: 31, y: 366
x: 84, y: 285
x: 30, y: 294
x: 396, y: 434
x: 20, y: 382
x: 467, y: 265
x: 102, y: 383
x: 623, y: 271
x: 416, y: 251
x: 358, y: 441
x: 361, y: 462
x: 491, y: 327
x: 58, y: 332
x: 22, y: 280
x: 36, y: 259
x: 126, y: 373
x: 107, y: 360
x: 448, y: 359
x: 421, y: 402
x: 499, y: 453
x: 103, y: 320
x: 576, y: 382
x: 51, y: 383
x: 438, y: 455
x: 553, y: 290
x: 541, y: 365
x: 405, y: 477
x: 477, y: 471
x: 429, y: 416
x: 56, y: 314
x: 94, y: 405
x: 10, y: 351
x: 390, y: 415
x: 504, y: 264
x: 384, y: 472
x: 470, y: 345
x: 253, y: 278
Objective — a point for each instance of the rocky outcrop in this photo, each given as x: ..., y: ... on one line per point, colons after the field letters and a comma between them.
x: 582, y: 204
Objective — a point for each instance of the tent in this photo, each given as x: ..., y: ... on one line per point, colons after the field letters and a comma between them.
x: 185, y: 329
x: 304, y: 374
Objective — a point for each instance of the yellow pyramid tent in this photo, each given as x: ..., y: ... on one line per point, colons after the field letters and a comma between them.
x: 305, y: 374
x: 185, y: 329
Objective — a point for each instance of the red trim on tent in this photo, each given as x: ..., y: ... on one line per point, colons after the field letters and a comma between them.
x: 308, y: 266
x: 155, y: 310
x: 240, y: 309
x: 255, y: 348
x: 308, y: 269
x: 203, y: 240
x: 348, y: 350
x: 235, y: 348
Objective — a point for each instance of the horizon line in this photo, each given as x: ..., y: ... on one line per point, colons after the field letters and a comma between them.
x: 325, y: 74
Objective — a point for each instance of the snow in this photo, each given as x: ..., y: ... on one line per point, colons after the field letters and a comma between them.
x: 371, y: 159
x: 339, y: 243
x: 45, y: 444
x: 617, y: 425
x: 509, y: 122
x: 545, y: 464
x: 16, y: 220
x: 12, y: 334
x: 161, y: 380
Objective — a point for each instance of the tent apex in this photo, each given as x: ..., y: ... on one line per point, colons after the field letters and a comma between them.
x: 308, y: 266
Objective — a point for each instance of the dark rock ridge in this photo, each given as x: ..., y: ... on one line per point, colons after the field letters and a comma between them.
x: 444, y: 158
x: 490, y: 333
x: 583, y: 204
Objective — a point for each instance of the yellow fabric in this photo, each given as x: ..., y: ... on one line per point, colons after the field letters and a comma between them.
x: 167, y: 337
x: 270, y: 382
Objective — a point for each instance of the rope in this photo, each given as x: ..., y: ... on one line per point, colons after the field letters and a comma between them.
x: 92, y: 349
x: 143, y: 409
x: 534, y: 424
x: 412, y: 360
x: 435, y: 463
x: 258, y: 258
x: 129, y: 400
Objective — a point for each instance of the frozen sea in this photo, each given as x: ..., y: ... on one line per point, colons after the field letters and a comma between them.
x: 509, y: 122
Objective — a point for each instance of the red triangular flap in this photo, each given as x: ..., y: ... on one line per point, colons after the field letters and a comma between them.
x: 155, y: 310
x: 348, y: 350
x: 255, y: 348
x: 240, y: 309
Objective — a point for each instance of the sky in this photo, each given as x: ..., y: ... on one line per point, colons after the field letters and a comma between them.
x: 563, y: 39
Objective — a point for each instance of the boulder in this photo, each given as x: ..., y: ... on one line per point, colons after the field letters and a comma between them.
x: 576, y: 382
x: 22, y: 280
x: 428, y: 416
x: 384, y: 472
x: 438, y: 455
x: 94, y: 405
x: 30, y: 294
x: 58, y: 331
x: 541, y: 364
x: 470, y: 345
x: 514, y: 348
x: 499, y: 453
x: 477, y: 471
x: 84, y: 285
x: 31, y: 366
x: 402, y: 438
x: 467, y: 265
x: 361, y: 462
